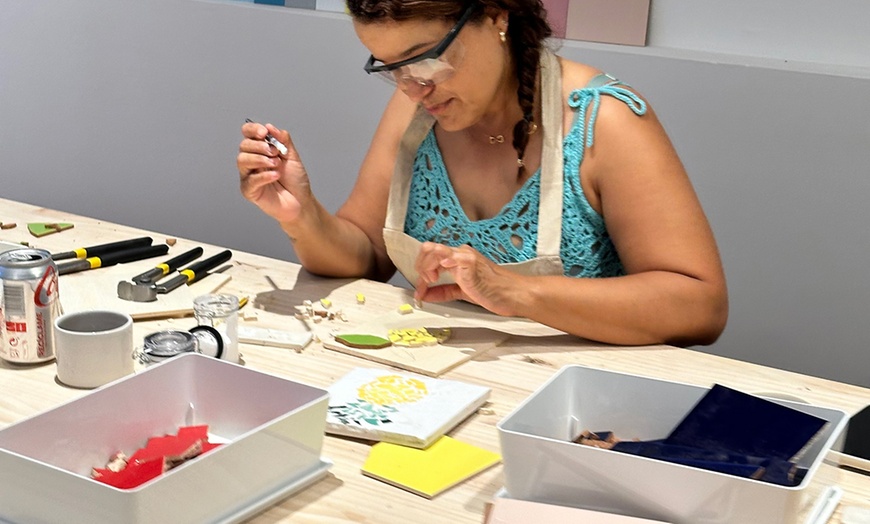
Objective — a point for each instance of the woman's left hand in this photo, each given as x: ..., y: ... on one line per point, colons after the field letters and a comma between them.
x: 478, y: 279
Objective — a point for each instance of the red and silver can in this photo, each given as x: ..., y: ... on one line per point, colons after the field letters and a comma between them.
x: 28, y: 305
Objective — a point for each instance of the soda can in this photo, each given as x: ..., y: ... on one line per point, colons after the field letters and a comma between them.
x: 29, y: 304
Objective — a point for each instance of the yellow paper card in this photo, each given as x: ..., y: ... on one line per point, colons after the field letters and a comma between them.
x: 427, y: 472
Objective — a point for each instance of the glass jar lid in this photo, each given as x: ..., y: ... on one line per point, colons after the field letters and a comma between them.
x: 165, y: 344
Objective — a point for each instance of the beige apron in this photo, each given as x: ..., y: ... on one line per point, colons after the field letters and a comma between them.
x: 403, y: 249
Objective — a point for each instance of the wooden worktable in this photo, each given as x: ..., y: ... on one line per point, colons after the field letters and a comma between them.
x: 513, y: 370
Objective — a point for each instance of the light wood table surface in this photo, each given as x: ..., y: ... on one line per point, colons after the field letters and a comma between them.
x: 513, y: 370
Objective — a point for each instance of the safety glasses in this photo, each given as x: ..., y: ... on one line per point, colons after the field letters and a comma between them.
x: 419, y: 74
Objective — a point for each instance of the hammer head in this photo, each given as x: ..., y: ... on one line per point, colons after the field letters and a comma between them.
x: 145, y: 292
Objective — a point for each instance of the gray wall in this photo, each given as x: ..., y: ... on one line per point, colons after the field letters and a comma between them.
x: 130, y: 111
x: 819, y: 32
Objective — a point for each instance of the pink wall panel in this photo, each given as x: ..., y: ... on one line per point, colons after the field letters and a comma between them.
x: 557, y: 14
x: 608, y: 21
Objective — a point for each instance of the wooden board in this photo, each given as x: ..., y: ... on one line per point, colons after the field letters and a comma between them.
x: 432, y: 361
x: 475, y: 330
x: 472, y: 335
x: 98, y: 289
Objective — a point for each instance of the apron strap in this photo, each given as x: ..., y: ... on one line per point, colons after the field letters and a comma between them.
x: 552, y: 170
x: 400, y: 184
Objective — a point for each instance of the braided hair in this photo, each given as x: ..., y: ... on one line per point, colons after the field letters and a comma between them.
x: 527, y: 30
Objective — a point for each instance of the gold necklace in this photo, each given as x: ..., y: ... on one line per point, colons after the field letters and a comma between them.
x: 499, y: 139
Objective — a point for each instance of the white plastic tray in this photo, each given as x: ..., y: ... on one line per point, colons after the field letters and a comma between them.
x: 541, y: 463
x: 274, y: 428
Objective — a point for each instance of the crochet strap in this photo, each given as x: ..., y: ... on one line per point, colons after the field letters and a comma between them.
x: 580, y: 100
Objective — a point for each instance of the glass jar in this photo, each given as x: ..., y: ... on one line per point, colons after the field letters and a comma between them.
x: 220, y: 311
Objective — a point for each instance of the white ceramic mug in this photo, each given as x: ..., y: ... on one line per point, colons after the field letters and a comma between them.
x: 93, y: 347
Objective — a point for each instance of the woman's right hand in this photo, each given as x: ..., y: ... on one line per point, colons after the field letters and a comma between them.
x: 278, y: 184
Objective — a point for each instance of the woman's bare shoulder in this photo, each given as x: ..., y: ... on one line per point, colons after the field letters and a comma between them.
x: 576, y: 75
x: 384, y: 146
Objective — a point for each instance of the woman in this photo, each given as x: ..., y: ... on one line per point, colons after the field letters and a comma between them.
x: 598, y: 234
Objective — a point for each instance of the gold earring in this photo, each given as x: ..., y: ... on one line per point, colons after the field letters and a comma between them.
x: 502, y: 36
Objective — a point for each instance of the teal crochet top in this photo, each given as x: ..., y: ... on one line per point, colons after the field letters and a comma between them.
x: 435, y: 215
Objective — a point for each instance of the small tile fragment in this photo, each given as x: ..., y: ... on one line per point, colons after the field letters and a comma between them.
x: 406, y: 309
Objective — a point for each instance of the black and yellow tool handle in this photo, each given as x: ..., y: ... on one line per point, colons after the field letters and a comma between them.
x: 161, y: 270
x: 194, y: 272
x: 110, y: 259
x: 102, y: 249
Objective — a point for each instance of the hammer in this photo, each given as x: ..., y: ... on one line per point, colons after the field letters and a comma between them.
x: 148, y: 291
x: 102, y: 249
x: 110, y: 259
x: 161, y: 270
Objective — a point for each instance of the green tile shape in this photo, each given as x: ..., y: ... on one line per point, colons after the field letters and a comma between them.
x: 363, y: 341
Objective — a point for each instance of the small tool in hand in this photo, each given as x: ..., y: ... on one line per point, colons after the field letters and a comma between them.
x: 102, y: 249
x: 161, y: 270
x: 115, y: 257
x: 147, y: 292
x: 272, y: 140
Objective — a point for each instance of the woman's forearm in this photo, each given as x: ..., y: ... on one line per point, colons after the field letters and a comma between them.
x: 646, y: 308
x: 329, y: 245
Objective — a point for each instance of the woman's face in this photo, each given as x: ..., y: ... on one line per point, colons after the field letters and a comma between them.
x: 457, y: 88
